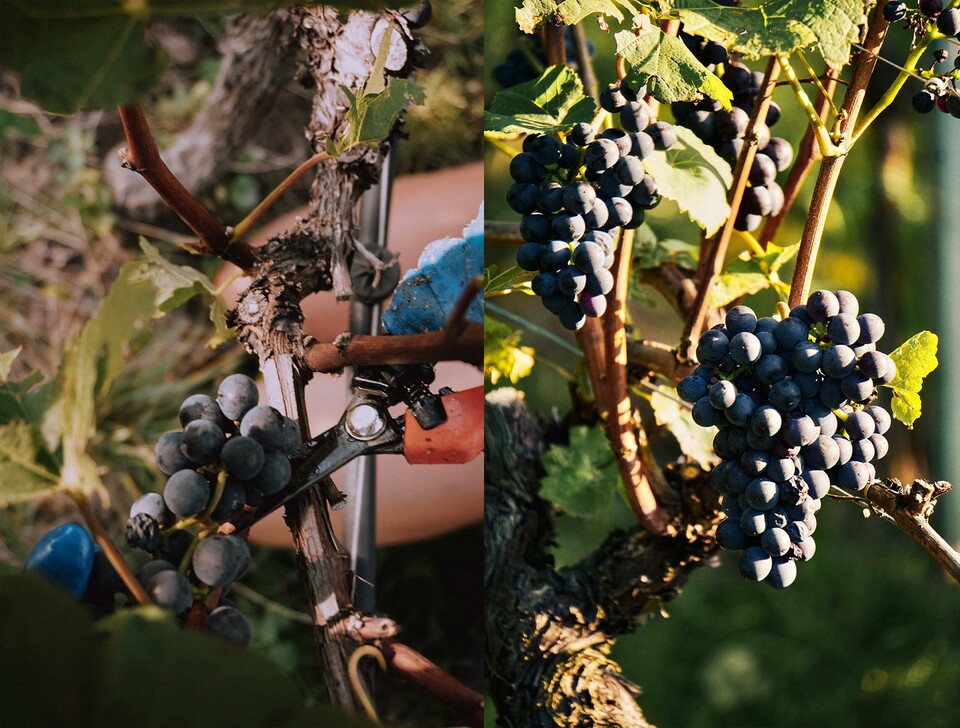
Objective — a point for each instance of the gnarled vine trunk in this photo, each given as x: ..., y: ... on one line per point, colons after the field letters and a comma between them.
x: 549, y: 631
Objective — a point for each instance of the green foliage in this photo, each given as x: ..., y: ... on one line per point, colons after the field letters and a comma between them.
x: 747, y: 274
x: 90, y: 54
x: 667, y: 67
x: 649, y: 252
x: 554, y: 102
x: 915, y: 359
x: 512, y: 280
x: 582, y: 477
x: 534, y: 13
x: 760, y: 28
x: 503, y: 357
x: 695, y: 177
x: 375, y: 108
x: 88, y: 61
x: 695, y: 442
x: 137, y: 667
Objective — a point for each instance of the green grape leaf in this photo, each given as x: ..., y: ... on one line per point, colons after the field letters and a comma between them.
x: 21, y: 477
x: 512, y: 280
x: 534, y: 13
x: 86, y: 62
x: 758, y: 28
x: 667, y: 67
x: 648, y: 252
x: 177, y: 284
x: 143, y: 290
x: 748, y: 274
x: 503, y: 356
x: 372, y: 116
x: 6, y: 363
x: 695, y: 177
x: 554, y: 102
x: 915, y: 359
x: 582, y: 477
x: 98, y: 669
x: 695, y: 442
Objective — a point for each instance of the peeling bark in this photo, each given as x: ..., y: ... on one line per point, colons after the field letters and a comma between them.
x: 256, y: 63
x: 549, y: 631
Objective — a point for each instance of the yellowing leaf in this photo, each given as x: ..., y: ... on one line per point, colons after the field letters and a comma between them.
x: 915, y: 359
x: 696, y: 442
x: 503, y: 357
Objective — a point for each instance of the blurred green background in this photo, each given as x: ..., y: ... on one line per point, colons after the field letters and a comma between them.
x: 869, y: 635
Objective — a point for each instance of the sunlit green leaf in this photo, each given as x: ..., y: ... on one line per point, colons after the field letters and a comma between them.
x: 748, y: 274
x: 582, y: 477
x: 695, y: 442
x: 554, y: 102
x: 503, y: 356
x: 667, y: 67
x: 915, y: 359
x: 695, y: 177
x: 533, y: 13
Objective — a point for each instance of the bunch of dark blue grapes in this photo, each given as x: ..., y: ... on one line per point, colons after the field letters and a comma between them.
x: 793, y: 401
x: 724, y: 131
x: 522, y: 64
x: 939, y: 92
x: 231, y: 454
x: 576, y: 194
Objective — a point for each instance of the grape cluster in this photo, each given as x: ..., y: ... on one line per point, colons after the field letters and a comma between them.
x: 724, y: 131
x: 939, y: 92
x: 522, y: 64
x: 574, y: 196
x: 230, y: 455
x: 793, y: 403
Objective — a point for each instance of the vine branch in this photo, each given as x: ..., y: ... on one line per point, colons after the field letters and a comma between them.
x: 711, y: 263
x: 621, y: 427
x: 830, y: 168
x: 143, y: 157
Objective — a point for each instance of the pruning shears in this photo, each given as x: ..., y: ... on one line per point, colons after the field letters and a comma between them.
x: 444, y: 427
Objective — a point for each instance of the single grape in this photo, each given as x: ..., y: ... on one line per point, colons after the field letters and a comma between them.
x: 745, y: 348
x: 572, y: 317
x: 265, y: 425
x: 712, y: 346
x: 780, y: 151
x: 838, y: 361
x: 800, y: 431
x: 601, y: 154
x: 168, y: 455
x: 757, y: 201
x: 853, y: 475
x: 859, y: 425
x: 880, y: 445
x: 143, y: 532
x: 152, y: 568
x: 525, y: 168
x: 781, y: 469
x: 740, y: 411
x: 863, y: 451
x: 923, y: 101
x: 220, y: 560
x: 203, y: 407
x: 785, y: 395
x: 546, y: 149
x: 762, y: 494
x: 571, y: 280
x: 818, y: 483
x: 274, y: 475
x: 775, y: 541
x: 549, y: 197
x: 931, y: 7
x: 594, y: 305
x: 783, y: 573
x: 722, y: 394
x: 635, y: 116
x: 535, y: 228
x: 242, y: 457
x: 612, y: 99
x: 152, y: 504
x: 579, y: 198
x: 568, y: 227
x: 763, y: 171
x: 731, y: 536
x: 202, y: 441
x: 755, y: 564
x: 822, y: 454
x: 237, y: 395
x: 771, y: 368
x: 228, y: 623
x: 857, y: 387
x: 528, y: 256
x: 741, y: 319
x: 186, y: 493
x: 170, y: 590
x: 880, y: 417
x: 894, y: 10
x: 582, y: 134
x: 705, y: 414
x: 663, y: 134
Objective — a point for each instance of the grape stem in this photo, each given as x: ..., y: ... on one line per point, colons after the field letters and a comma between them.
x: 143, y: 157
x: 243, y: 227
x: 638, y: 474
x: 830, y: 169
x: 807, y: 153
x: 910, y: 508
x: 821, y: 134
x: 714, y: 249
x: 115, y: 558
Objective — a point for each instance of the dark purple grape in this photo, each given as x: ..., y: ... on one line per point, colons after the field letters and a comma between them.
x: 242, y: 457
x: 228, y: 623
x: 186, y: 493
x: 237, y: 395
x: 220, y: 560
x: 170, y: 590
x: 274, y: 475
x: 594, y: 305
